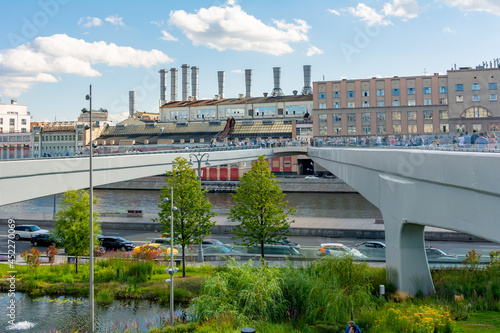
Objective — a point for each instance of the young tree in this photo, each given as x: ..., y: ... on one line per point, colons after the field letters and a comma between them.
x: 260, y: 208
x: 192, y: 220
x: 73, y: 223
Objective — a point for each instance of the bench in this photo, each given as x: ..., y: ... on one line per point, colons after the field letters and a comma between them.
x: 134, y: 212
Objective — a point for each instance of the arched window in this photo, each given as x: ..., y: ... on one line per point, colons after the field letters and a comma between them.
x: 476, y: 112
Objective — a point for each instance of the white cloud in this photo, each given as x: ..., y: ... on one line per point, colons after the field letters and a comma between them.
x: 368, y: 15
x: 44, y: 57
x: 167, y: 36
x: 333, y: 11
x: 238, y: 71
x: 229, y: 27
x: 313, y: 50
x: 403, y: 9
x: 115, y: 20
x: 448, y: 30
x: 89, y: 22
x: 117, y: 117
x: 490, y: 6
x: 158, y: 23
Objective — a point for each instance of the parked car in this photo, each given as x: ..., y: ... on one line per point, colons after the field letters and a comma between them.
x: 311, y: 177
x: 283, y: 250
x: 215, y: 242
x: 156, y: 250
x: 47, y: 239
x: 219, y: 249
x: 27, y: 231
x: 286, y: 241
x: 433, y: 253
x: 338, y: 249
x: 116, y: 243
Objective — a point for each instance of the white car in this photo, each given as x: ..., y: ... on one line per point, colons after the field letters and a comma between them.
x: 26, y: 231
x: 338, y: 249
x: 311, y: 177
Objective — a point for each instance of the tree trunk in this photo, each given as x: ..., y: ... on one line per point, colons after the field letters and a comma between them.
x: 76, y: 264
x: 262, y: 249
x: 183, y: 260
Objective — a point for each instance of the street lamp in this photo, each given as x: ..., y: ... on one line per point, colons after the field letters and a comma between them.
x: 91, y: 248
x: 199, y: 158
x: 172, y: 270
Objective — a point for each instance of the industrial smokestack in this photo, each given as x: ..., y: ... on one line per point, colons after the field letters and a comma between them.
x: 248, y: 82
x: 163, y: 86
x: 185, y: 82
x: 131, y: 103
x: 194, y: 82
x: 221, y: 78
x: 277, y: 79
x: 307, y: 90
x: 173, y: 84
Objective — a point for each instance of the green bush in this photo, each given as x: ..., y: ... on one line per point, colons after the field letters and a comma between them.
x: 104, y: 297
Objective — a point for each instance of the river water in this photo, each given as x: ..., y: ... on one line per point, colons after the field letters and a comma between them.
x: 311, y: 204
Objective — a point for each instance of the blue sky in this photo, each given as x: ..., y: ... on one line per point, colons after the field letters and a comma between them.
x: 51, y: 50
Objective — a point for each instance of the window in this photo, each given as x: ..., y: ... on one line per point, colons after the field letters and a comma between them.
x: 412, y: 115
x: 476, y: 112
x: 493, y: 97
x: 380, y: 103
x: 320, y: 106
x: 443, y: 101
x: 365, y: 116
x: 428, y: 128
x: 427, y: 90
x: 380, y: 92
x: 427, y: 114
x: 365, y: 93
x: 443, y: 90
x: 337, y: 130
x: 322, y: 130
x: 443, y: 114
x: 396, y: 129
x: 411, y: 91
x: 460, y: 98
x: 395, y: 91
x: 12, y: 122
x: 396, y: 102
x: 1, y: 121
x: 461, y: 128
x: 477, y: 127
x: 381, y: 129
x: 322, y: 118
x: 427, y: 101
x: 336, y: 117
x: 366, y: 129
x: 380, y: 116
x: 336, y: 105
x: 411, y: 102
x: 459, y: 87
x: 322, y: 95
x: 23, y: 130
x: 351, y: 130
x: 230, y: 112
x: 475, y: 86
x: 351, y: 104
x: 366, y: 104
x: 350, y: 93
x: 476, y: 98
x: 396, y: 115
x: 444, y: 128
x: 492, y: 86
x: 23, y: 122
x: 270, y: 110
x: 336, y: 94
x: 351, y: 117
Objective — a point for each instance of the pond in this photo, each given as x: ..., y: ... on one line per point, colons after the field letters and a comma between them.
x: 62, y: 314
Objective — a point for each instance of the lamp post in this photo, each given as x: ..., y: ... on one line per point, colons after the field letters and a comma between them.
x: 199, y: 158
x: 91, y: 247
x: 172, y: 269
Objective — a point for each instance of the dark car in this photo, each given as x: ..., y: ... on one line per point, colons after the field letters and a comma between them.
x: 283, y: 250
x: 287, y: 242
x: 116, y: 243
x: 45, y: 240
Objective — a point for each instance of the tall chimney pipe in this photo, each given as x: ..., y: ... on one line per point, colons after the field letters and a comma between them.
x: 307, y: 90
x: 277, y: 78
x: 185, y: 82
x: 194, y: 82
x: 248, y: 82
x: 221, y: 78
x: 163, y: 86
x: 131, y: 103
x: 173, y: 84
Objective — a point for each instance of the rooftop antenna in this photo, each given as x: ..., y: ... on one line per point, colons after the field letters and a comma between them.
x: 425, y: 72
x: 323, y: 77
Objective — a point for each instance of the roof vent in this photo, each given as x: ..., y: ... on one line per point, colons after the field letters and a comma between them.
x: 267, y: 122
x: 182, y: 123
x: 214, y: 123
x: 247, y: 123
x: 287, y: 122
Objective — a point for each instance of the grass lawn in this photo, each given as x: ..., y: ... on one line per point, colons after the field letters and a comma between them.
x: 487, y: 321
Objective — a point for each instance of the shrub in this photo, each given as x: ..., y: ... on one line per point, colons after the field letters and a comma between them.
x: 32, y: 257
x: 105, y: 297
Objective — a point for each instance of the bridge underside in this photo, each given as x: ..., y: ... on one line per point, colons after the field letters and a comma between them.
x: 415, y: 188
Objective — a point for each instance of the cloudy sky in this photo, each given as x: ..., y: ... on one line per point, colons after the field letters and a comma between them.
x: 52, y: 50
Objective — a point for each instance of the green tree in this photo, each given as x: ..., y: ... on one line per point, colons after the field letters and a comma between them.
x: 73, y: 223
x: 192, y: 220
x: 260, y: 207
